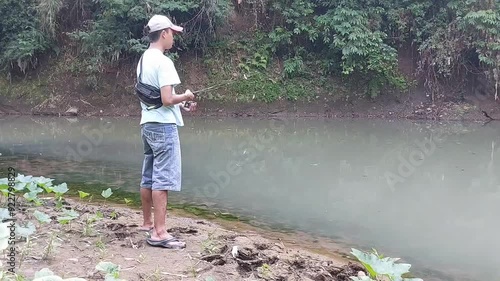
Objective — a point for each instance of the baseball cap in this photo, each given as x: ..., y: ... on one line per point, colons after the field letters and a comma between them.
x: 159, y: 22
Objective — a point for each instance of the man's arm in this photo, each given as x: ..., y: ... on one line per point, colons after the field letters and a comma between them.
x: 168, y: 98
x: 168, y: 78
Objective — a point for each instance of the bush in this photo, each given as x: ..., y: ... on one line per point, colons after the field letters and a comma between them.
x: 21, y: 38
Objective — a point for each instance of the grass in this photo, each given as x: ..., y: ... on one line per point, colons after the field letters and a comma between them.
x: 210, y: 245
x: 49, y: 250
x: 133, y: 200
x: 32, y: 91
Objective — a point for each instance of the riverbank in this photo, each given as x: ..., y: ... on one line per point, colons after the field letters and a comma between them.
x: 56, y: 91
x: 472, y: 109
x: 109, y: 233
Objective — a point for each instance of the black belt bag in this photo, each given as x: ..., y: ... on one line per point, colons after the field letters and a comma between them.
x: 147, y: 94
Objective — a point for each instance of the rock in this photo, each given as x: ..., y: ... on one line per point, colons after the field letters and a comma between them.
x: 72, y: 111
x: 246, y: 254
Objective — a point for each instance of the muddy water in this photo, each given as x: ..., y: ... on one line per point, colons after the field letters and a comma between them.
x: 426, y: 192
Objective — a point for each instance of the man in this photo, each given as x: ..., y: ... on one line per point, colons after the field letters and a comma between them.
x: 161, y: 171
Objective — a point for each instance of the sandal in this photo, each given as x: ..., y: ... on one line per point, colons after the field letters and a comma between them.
x: 172, y: 243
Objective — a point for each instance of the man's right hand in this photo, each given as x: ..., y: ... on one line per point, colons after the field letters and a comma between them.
x: 189, y: 95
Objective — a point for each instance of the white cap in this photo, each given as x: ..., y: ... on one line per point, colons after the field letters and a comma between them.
x: 159, y: 22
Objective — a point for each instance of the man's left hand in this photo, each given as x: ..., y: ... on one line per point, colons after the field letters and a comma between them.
x: 189, y: 106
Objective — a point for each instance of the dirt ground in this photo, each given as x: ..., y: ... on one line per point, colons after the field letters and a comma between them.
x: 74, y: 249
x: 471, y: 109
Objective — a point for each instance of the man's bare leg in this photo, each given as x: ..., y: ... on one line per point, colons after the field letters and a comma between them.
x: 160, y: 211
x: 147, y: 203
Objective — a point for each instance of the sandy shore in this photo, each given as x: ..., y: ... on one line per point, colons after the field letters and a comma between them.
x: 109, y: 233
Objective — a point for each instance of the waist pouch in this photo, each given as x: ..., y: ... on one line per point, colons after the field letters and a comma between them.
x: 147, y: 94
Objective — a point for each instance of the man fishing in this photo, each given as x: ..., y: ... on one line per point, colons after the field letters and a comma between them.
x: 161, y: 171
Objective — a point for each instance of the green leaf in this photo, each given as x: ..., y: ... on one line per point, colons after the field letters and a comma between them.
x: 361, y: 257
x: 4, y: 214
x: 24, y: 179
x: 127, y: 200
x: 71, y: 213
x: 49, y: 278
x: 33, y: 187
x: 99, y: 215
x: 61, y: 189
x: 381, y: 266
x: 106, y: 193
x: 64, y: 220
x: 31, y: 196
x: 110, y: 277
x: 25, y: 231
x: 44, y: 272
x: 42, y: 217
x: 19, y: 186
x: 4, y: 183
x: 108, y: 267
x: 43, y: 181
x: 46, y: 183
x: 83, y: 194
x: 362, y: 278
x: 4, y: 235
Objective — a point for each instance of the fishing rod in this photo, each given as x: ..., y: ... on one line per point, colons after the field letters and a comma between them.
x: 218, y: 85
x: 197, y: 92
x: 187, y: 104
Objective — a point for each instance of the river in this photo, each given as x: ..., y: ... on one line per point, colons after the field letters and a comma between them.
x: 426, y: 192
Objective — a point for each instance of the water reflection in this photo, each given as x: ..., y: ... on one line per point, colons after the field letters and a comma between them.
x: 426, y: 192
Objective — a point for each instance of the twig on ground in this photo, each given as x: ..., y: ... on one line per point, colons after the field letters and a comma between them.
x: 173, y: 274
x: 282, y: 244
x: 206, y: 268
x: 86, y: 102
x: 134, y: 246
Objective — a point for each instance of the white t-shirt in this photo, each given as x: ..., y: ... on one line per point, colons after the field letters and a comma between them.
x: 158, y: 70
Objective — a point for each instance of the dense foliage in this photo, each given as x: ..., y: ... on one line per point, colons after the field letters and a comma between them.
x: 359, y: 39
x: 21, y: 36
x: 453, y: 37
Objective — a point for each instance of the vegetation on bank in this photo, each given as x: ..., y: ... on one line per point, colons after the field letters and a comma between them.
x: 375, y: 265
x: 293, y: 43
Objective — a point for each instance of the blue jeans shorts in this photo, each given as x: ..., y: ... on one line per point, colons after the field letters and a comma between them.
x: 161, y: 169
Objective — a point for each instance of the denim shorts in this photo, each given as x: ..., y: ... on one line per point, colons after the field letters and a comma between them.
x: 161, y: 169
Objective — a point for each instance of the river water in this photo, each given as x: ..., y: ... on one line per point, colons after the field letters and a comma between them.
x: 428, y: 193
